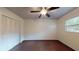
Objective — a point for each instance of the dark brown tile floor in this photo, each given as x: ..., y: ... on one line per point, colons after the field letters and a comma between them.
x: 41, y: 45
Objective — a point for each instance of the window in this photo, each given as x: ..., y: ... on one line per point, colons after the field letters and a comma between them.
x: 72, y: 25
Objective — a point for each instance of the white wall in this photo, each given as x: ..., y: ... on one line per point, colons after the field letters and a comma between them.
x: 40, y: 29
x: 11, y: 29
x: 69, y: 38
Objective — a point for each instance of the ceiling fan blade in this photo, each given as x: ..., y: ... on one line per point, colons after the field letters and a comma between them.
x: 34, y: 11
x: 40, y: 15
x: 47, y: 15
x: 52, y: 8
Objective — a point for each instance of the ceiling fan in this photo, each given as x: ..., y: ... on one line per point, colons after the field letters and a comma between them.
x: 44, y: 11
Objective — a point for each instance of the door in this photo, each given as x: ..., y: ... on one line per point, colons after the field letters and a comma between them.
x: 10, y: 32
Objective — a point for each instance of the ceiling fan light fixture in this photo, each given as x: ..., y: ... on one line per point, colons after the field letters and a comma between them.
x: 43, y: 11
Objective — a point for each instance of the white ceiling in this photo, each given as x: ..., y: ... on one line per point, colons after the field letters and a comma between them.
x: 24, y: 12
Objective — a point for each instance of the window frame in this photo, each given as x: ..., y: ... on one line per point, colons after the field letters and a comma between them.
x: 74, y: 27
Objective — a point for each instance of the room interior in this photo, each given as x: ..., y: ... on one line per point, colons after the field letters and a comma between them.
x: 56, y: 30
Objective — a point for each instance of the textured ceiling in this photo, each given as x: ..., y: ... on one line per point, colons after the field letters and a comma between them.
x: 24, y: 12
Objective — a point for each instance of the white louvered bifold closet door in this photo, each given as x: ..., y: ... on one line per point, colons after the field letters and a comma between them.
x: 10, y: 32
x: 1, y: 42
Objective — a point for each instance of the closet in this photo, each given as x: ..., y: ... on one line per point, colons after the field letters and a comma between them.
x: 9, y: 32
